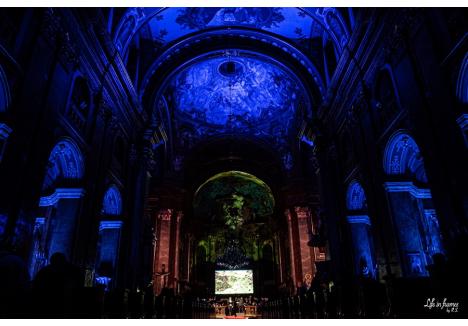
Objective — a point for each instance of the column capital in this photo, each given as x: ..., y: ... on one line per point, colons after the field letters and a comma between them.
x: 165, y: 214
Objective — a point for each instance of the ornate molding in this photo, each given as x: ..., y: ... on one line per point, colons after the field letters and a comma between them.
x: 110, y: 225
x: 359, y: 219
x: 409, y: 187
x: 61, y: 193
x: 302, y: 212
x: 165, y: 214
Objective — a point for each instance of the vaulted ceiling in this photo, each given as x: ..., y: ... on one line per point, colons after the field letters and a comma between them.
x: 205, y: 73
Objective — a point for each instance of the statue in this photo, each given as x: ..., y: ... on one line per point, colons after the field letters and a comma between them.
x: 161, y: 278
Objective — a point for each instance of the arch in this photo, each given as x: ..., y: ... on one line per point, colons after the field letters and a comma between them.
x: 462, y: 83
x: 112, y: 202
x: 329, y: 19
x: 355, y: 197
x: 403, y: 157
x: 4, y: 92
x: 65, y: 162
x: 156, y: 74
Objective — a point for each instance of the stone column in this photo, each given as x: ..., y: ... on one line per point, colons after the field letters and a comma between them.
x: 175, y: 242
x: 161, y: 260
x: 305, y: 253
x: 291, y: 245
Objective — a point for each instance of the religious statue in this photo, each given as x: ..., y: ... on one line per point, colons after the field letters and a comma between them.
x: 161, y: 278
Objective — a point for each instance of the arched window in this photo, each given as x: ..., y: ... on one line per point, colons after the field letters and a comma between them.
x: 355, y: 197
x: 412, y: 211
x: 112, y: 203
x: 57, y: 226
x: 65, y: 163
x: 403, y: 157
x: 360, y: 229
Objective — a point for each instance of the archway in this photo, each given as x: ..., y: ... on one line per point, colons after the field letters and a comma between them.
x: 60, y: 206
x: 360, y: 227
x: 410, y: 201
x: 110, y: 229
x: 235, y: 216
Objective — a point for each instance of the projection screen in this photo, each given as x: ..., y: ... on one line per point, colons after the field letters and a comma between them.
x: 233, y: 282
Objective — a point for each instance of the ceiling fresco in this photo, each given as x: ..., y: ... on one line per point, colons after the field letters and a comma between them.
x: 234, y: 93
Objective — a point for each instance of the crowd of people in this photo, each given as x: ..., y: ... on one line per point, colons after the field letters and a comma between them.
x: 57, y: 291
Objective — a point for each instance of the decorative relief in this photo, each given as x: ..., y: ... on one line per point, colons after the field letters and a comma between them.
x: 165, y: 214
x: 302, y: 212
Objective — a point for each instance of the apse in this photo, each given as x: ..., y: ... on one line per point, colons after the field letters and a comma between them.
x: 235, y: 197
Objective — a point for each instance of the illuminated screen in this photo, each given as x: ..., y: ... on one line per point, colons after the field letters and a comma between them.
x: 234, y: 282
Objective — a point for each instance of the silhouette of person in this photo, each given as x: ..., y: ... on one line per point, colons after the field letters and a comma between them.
x: 56, y: 286
x: 14, y: 282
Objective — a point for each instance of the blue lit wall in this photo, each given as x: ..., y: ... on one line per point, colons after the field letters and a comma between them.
x: 3, y: 223
x: 360, y: 226
x: 362, y: 248
x: 108, y: 252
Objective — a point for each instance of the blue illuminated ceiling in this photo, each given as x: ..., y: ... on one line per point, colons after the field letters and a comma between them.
x: 238, y: 93
x: 173, y: 23
x: 253, y: 93
x: 298, y: 25
x: 234, y: 92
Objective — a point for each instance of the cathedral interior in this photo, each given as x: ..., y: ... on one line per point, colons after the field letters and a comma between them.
x: 233, y: 162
